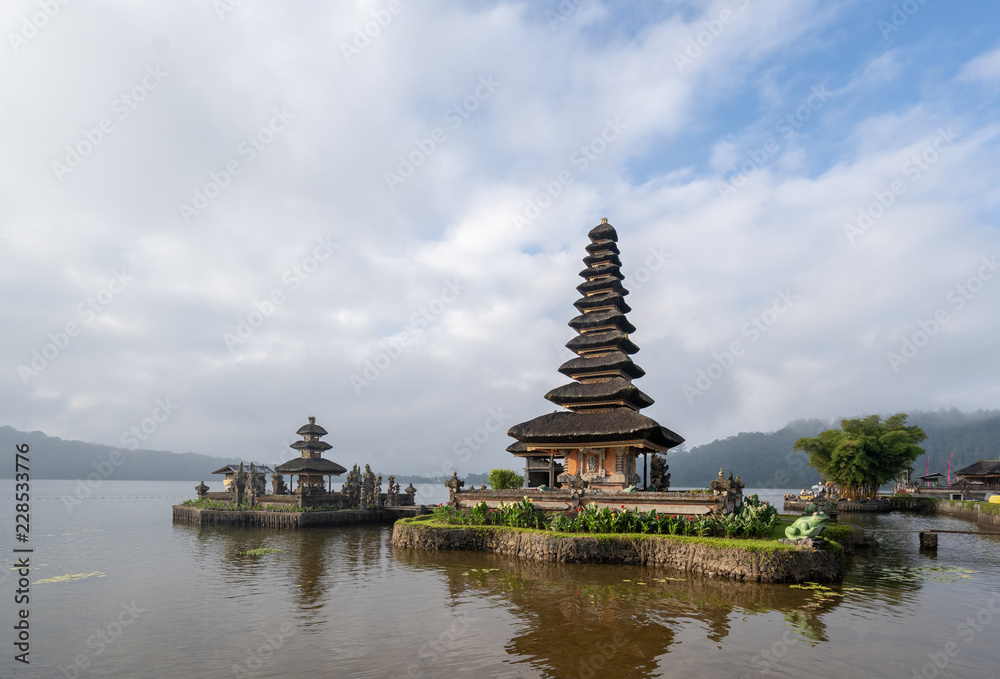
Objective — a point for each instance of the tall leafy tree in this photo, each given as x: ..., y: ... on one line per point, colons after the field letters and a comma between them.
x: 864, y: 454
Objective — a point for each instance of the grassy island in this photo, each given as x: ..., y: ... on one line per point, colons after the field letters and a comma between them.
x: 603, y: 536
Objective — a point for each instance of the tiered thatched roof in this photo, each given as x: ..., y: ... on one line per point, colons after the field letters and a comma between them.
x: 602, y: 405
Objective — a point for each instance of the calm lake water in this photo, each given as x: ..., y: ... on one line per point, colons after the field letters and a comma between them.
x: 166, y: 600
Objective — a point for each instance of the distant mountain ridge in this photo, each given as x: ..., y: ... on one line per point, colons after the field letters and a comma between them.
x: 56, y: 458
x: 762, y: 460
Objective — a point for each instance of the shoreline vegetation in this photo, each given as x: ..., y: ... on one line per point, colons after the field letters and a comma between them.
x: 754, y: 519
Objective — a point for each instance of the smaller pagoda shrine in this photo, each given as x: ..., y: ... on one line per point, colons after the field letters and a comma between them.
x: 311, y: 468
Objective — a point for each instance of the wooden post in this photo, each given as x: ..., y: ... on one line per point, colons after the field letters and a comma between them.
x: 645, y: 461
x: 928, y: 540
x: 552, y: 470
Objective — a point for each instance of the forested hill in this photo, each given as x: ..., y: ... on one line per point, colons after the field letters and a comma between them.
x: 56, y: 458
x: 767, y: 460
x: 969, y: 436
x: 762, y: 460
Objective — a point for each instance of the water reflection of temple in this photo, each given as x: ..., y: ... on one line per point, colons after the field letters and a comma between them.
x: 577, y: 620
x: 228, y: 555
x: 310, y: 569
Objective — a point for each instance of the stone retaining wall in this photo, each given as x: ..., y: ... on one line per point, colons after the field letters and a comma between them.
x: 781, y: 564
x: 293, y: 520
x: 846, y: 507
x: 972, y: 513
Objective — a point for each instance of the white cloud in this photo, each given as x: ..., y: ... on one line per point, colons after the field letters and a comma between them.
x: 985, y: 67
x: 496, y: 344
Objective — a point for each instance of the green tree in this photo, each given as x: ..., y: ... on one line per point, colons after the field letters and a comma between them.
x: 864, y: 454
x: 505, y: 479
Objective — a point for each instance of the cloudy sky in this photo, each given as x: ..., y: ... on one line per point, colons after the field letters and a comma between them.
x: 218, y: 217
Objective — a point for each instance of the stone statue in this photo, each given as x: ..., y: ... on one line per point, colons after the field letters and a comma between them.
x: 377, y: 494
x: 807, y: 526
x: 201, y: 489
x: 278, y: 485
x: 719, y: 485
x: 454, y: 486
x: 238, y: 486
x: 659, y: 479
x: 392, y: 492
x: 251, y: 487
x: 258, y: 484
x: 367, y: 489
x: 352, y: 487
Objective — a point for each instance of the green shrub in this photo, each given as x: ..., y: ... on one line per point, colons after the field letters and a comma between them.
x: 839, y: 533
x: 755, y: 519
x: 480, y: 514
x: 505, y: 479
x: 521, y: 514
x: 448, y: 514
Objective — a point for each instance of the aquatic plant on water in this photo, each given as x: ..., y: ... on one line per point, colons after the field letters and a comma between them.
x: 72, y: 576
x: 260, y: 551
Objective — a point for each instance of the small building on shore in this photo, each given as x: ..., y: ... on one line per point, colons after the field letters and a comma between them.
x: 984, y: 472
x: 931, y: 480
x: 599, y: 435
x: 230, y: 470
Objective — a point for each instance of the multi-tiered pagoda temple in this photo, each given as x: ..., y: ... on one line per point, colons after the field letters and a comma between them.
x: 600, y: 434
x: 311, y: 467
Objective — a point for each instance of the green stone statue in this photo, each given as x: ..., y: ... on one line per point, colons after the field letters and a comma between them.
x: 807, y: 526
